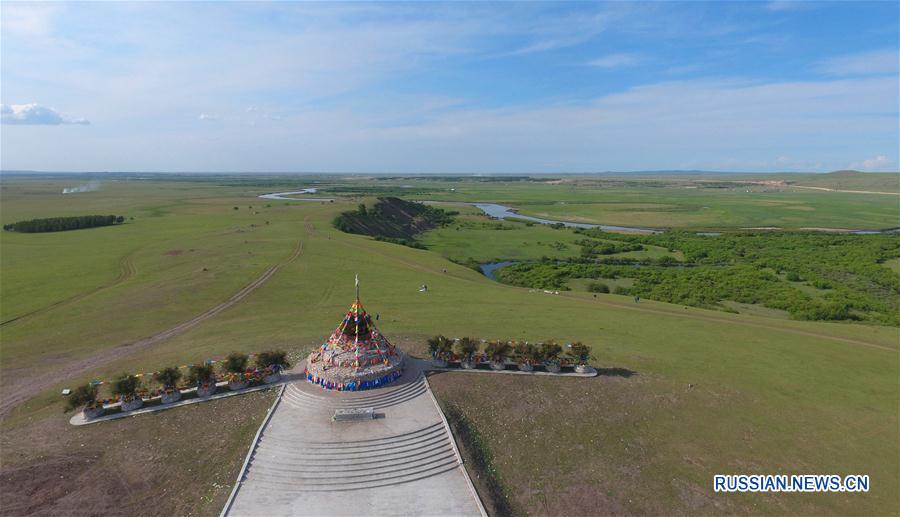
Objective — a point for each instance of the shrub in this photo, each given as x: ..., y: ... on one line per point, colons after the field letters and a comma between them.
x: 271, y: 358
x: 126, y: 386
x: 666, y: 260
x: 532, y: 354
x: 440, y: 345
x: 200, y: 373
x: 84, y: 395
x: 467, y: 347
x: 168, y: 377
x: 794, y: 277
x: 598, y: 287
x: 433, y: 344
x: 550, y: 351
x: 498, y: 350
x: 236, y: 362
x: 621, y: 290
x: 580, y: 352
x: 526, y: 353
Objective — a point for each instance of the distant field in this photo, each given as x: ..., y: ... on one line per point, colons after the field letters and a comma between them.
x: 872, y: 181
x: 677, y: 201
x: 711, y: 392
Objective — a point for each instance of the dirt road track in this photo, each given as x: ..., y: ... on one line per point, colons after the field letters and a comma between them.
x: 25, y: 388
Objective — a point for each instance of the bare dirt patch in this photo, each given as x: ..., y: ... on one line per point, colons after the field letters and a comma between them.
x: 179, y: 462
x: 576, y: 446
x: 173, y: 253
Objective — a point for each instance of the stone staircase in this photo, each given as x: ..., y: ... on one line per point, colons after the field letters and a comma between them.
x: 403, y: 462
x: 287, y: 465
x: 378, y: 399
x: 284, y: 463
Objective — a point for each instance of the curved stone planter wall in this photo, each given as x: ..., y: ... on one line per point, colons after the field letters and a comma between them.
x: 170, y: 397
x: 237, y: 385
x: 206, y: 392
x: 132, y: 404
x: 92, y: 412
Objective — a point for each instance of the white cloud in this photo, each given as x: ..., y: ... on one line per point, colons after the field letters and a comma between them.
x: 339, y: 87
x: 616, y: 60
x: 28, y: 19
x: 787, y: 5
x: 34, y: 115
x: 884, y: 61
x: 878, y: 163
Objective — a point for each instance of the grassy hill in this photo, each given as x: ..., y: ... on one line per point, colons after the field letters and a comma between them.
x: 391, y: 217
x: 685, y: 393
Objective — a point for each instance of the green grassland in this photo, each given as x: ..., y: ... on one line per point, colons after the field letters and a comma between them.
x: 717, y: 208
x: 894, y: 265
x: 473, y: 237
x: 712, y: 392
x: 847, y: 180
x: 695, y: 202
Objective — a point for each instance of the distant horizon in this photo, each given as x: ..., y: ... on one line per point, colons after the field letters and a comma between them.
x: 672, y: 172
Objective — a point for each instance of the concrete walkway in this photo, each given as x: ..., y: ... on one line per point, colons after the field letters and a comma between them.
x: 404, y: 462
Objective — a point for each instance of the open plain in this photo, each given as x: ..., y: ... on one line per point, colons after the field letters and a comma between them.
x: 683, y: 392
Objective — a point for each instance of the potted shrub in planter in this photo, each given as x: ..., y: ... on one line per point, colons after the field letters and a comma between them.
x: 466, y: 347
x: 125, y: 388
x: 203, y: 376
x: 235, y: 367
x: 580, y: 354
x: 440, y: 348
x: 85, y: 397
x: 272, y: 362
x: 168, y: 378
x: 550, y: 352
x: 526, y: 356
x: 497, y: 351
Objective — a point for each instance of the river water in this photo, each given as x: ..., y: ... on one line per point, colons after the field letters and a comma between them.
x: 283, y: 196
x: 503, y: 211
x: 488, y: 269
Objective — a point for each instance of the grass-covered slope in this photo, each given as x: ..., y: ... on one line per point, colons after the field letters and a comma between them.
x: 710, y: 393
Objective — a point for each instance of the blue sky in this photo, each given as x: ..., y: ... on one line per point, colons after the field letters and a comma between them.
x: 458, y: 87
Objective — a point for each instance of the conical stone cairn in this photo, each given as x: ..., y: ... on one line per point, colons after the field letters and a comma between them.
x: 356, y: 356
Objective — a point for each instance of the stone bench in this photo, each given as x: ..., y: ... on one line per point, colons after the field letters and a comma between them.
x: 354, y: 414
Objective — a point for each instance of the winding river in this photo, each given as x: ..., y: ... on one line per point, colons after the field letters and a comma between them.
x: 503, y: 212
x: 283, y: 196
x: 498, y: 211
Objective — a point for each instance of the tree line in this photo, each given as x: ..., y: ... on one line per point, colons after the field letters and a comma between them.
x: 61, y: 224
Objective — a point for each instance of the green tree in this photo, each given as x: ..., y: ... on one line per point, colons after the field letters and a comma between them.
x: 84, y: 395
